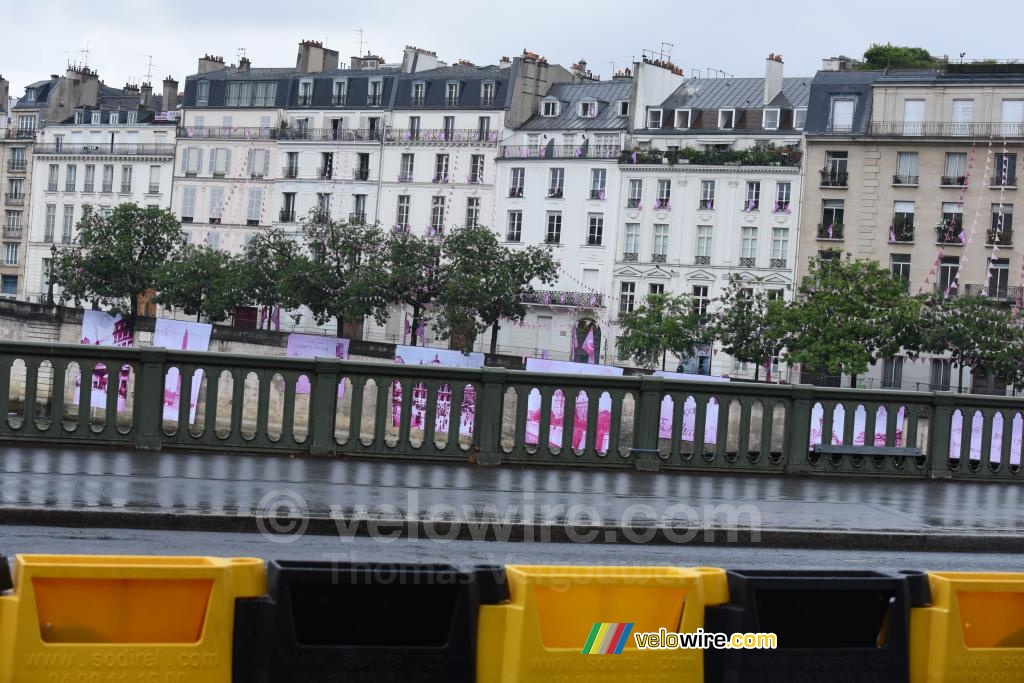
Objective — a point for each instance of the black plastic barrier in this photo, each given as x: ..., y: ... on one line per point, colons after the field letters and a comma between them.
x: 852, y: 626
x: 338, y: 622
x: 6, y: 580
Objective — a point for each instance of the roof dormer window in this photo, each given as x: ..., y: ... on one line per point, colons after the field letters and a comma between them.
x: 770, y: 119
x: 683, y: 118
x: 549, y: 108
x: 133, y: 118
x: 338, y: 94
x: 30, y: 94
x: 419, y: 93
x: 96, y: 118
x: 588, y: 109
x: 623, y: 107
x: 726, y: 119
x: 115, y: 117
x: 202, y: 93
x: 306, y: 93
x: 487, y: 90
x: 79, y: 117
x: 451, y: 94
x: 654, y: 118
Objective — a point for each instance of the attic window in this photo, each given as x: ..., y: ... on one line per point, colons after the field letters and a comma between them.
x: 487, y: 89
x: 588, y: 109
x: 96, y: 118
x: 79, y: 117
x: 654, y: 118
x: 202, y: 93
x: 682, y: 118
x: 451, y: 94
x: 133, y: 117
x: 726, y: 119
x: 30, y: 94
x: 770, y: 119
x: 799, y: 118
x: 114, y: 118
x: 623, y: 107
x: 419, y: 90
x: 549, y: 108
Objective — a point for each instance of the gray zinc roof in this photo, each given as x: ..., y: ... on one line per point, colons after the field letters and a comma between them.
x: 739, y: 93
x: 828, y: 84
x: 607, y: 94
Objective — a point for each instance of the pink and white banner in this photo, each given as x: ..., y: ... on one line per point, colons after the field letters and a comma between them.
x: 187, y: 336
x: 689, y: 410
x: 421, y: 355
x: 102, y: 329
x: 314, y: 346
x: 557, y: 416
x: 859, y: 426
x: 977, y: 429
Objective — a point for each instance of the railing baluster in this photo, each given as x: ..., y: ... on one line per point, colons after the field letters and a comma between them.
x: 985, y: 456
x: 355, y: 418
x: 405, y: 421
x: 543, y: 441
x: 454, y: 444
x: 430, y: 418
x: 383, y: 410
x: 290, y: 379
x: 209, y: 435
x: 590, y: 452
x: 110, y: 412
x: 767, y: 429
x: 262, y: 436
x: 238, y: 378
x: 615, y: 428
x: 522, y: 407
x: 678, y: 416
x: 31, y: 387
x: 568, y: 422
x: 60, y: 368
x: 722, y: 439
x: 185, y: 377
x: 699, y: 417
x: 743, y: 444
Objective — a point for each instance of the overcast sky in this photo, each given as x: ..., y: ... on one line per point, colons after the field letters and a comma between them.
x: 38, y: 38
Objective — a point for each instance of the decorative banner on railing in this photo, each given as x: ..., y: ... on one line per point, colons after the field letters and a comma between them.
x: 859, y: 426
x: 313, y: 346
x: 187, y: 336
x: 689, y: 410
x: 977, y: 429
x: 557, y: 417
x: 421, y: 355
x: 102, y: 329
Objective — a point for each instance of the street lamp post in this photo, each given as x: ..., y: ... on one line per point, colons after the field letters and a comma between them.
x: 49, y: 275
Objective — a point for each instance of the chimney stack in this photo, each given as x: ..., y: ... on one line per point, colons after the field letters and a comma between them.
x: 416, y: 59
x: 772, y: 77
x: 208, y: 63
x: 170, y: 102
x: 368, y: 62
x: 314, y: 58
x: 244, y: 64
x: 146, y: 92
x: 505, y: 63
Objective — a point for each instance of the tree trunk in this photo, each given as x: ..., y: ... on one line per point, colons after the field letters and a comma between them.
x: 415, y: 323
x: 341, y: 327
x: 494, y: 337
x: 960, y: 381
x: 853, y: 381
x: 757, y: 367
x: 199, y: 316
x: 664, y: 355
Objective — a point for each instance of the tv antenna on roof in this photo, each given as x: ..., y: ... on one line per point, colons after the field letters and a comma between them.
x: 240, y: 54
x: 149, y: 69
x: 666, y: 55
x: 361, y: 41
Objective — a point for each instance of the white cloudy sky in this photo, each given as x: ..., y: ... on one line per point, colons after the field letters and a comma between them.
x: 38, y: 38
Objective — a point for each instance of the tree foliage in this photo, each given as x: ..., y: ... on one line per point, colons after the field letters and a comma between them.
x: 413, y: 272
x: 274, y: 271
x: 891, y: 56
x: 660, y: 324
x: 203, y: 281
x: 850, y: 314
x: 749, y: 326
x: 116, y: 256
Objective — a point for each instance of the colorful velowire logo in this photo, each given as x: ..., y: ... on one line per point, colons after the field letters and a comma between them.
x: 607, y: 639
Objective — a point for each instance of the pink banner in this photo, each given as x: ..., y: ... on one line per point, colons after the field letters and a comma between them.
x: 187, y: 336
x: 313, y: 346
x: 102, y: 329
x: 859, y: 426
x: 557, y: 415
x: 689, y: 410
x: 421, y: 355
x: 977, y: 429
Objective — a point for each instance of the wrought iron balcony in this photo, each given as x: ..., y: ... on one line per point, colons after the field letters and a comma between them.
x: 662, y: 205
x: 552, y: 151
x: 89, y: 188
x: 946, y: 289
x: 946, y: 129
x: 227, y: 133
x: 20, y: 134
x: 328, y: 134
x: 778, y: 263
x: 14, y: 198
x: 290, y: 172
x: 949, y: 232
x: 405, y: 177
x: 1003, y: 237
x: 153, y: 189
x: 555, y: 193
x: 287, y: 216
x: 706, y: 204
x: 901, y: 232
x: 834, y: 178
x: 357, y: 218
x: 830, y: 231
x: 904, y: 180
x: 443, y: 136
x: 953, y: 180
x: 156, y: 150
x: 996, y: 291
x: 337, y: 100
x: 998, y: 180
x: 13, y: 232
x: 747, y: 261
x: 597, y: 194
x: 374, y: 99
x: 630, y: 256
x: 565, y: 298
x: 633, y: 203
x: 17, y: 165
x: 516, y: 192
x: 658, y: 258
x: 324, y: 172
x: 702, y: 260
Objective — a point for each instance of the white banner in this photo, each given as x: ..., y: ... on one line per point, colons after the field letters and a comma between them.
x: 187, y: 336
x: 689, y: 410
x: 422, y: 355
x: 818, y: 428
x: 977, y: 429
x: 557, y: 417
x: 102, y: 329
x: 314, y: 346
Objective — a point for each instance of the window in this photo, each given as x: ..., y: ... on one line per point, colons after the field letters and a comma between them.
x: 549, y: 108
x: 108, y: 178
x: 487, y: 94
x: 963, y: 116
x: 949, y: 270
x: 632, y: 246
x: 517, y: 183
x: 1001, y: 230
x: 476, y: 168
x: 902, y: 229
x: 305, y: 93
x: 553, y: 235
x: 514, y: 229
x: 707, y: 194
x: 951, y: 226
x: 748, y: 236
x: 70, y: 177
x: 191, y: 160
x: 892, y: 372
x: 913, y: 117
x: 726, y: 118
x: 472, y: 212
x: 115, y: 118
x: 627, y: 297
x: 188, y: 204
x: 660, y: 252
x: 663, y: 201
x: 832, y: 211
x: 483, y: 128
x: 799, y: 118
x: 1005, y: 173
x: 220, y: 160
x: 842, y: 115
x: 700, y: 300
x: 216, y: 204
x: 704, y: 245
x: 941, y: 371
x: 287, y: 207
x: 999, y: 277
x: 126, y: 179
x: 133, y: 118
x: 338, y: 94
x: 406, y: 165
x: 376, y: 88
x: 69, y: 223
x: 956, y: 169
x: 780, y: 246
x: 906, y: 169
x: 238, y: 94
x: 441, y: 168
x: 753, y: 196
x: 1013, y: 118
x: 202, y: 94
x: 90, y: 178
x: 682, y: 118
x: 11, y: 253
x: 451, y: 94
x: 636, y: 191
x: 598, y: 178
x: 30, y: 94
x: 79, y: 117
x: 259, y: 163
x: 437, y: 215
x: 265, y: 94
x: 588, y: 109
x: 654, y: 118
x: 835, y: 172
x: 51, y: 222
x: 595, y: 229
x: 46, y: 269
x: 783, y: 192
x: 51, y: 181
x: 402, y: 212
x: 623, y: 107
x: 556, y: 182
x: 770, y: 119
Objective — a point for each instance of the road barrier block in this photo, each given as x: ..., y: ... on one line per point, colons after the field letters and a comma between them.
x: 556, y: 614
x: 831, y: 625
x: 334, y: 622
x: 973, y: 630
x: 116, y: 618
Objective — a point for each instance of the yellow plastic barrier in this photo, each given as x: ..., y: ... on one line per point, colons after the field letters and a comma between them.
x: 973, y: 630
x: 95, y: 619
x: 540, y: 634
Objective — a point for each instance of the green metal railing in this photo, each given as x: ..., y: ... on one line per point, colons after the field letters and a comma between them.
x: 487, y: 416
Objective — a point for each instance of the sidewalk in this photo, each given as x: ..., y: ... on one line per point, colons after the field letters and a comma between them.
x: 233, y: 491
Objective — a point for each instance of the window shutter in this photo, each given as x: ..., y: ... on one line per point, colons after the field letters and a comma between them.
x: 199, y: 159
x: 188, y: 202
x: 184, y: 160
x: 213, y: 160
x: 266, y: 163
x: 227, y: 162
x: 216, y: 201
x: 248, y: 163
x: 255, y: 200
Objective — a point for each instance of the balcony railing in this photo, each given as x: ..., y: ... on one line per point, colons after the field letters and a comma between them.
x: 633, y: 203
x: 830, y: 231
x: 555, y: 193
x: 443, y: 136
x: 949, y: 232
x: 12, y: 232
x: 17, y: 165
x: 20, y: 134
x: 904, y: 180
x: 662, y: 205
x: 597, y: 194
x: 658, y: 258
x: 328, y: 134
x: 953, y: 180
x: 834, y: 178
x: 374, y: 100
x: 700, y: 260
x: 946, y: 289
x: 995, y: 291
x: 516, y: 192
x: 901, y: 232
x: 158, y: 150
x: 324, y: 172
x: 486, y: 101
x: 357, y: 218
x: 999, y: 181
x: 405, y: 177
x: 89, y: 188
x: 228, y: 132
x: 747, y: 261
x: 1002, y: 237
x: 14, y: 198
x: 290, y: 172
x: 152, y: 189
x: 777, y: 263
x: 558, y: 152
x: 944, y: 129
x: 631, y: 256
x: 337, y: 100
x: 565, y: 298
x: 287, y: 216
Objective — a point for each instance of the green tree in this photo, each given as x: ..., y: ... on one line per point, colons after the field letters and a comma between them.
x: 891, y: 56
x: 850, y: 313
x: 976, y: 333
x: 660, y: 324
x: 274, y: 271
x: 346, y: 278
x: 413, y: 272
x: 482, y: 278
x: 116, y: 256
x: 201, y: 281
x: 750, y: 327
